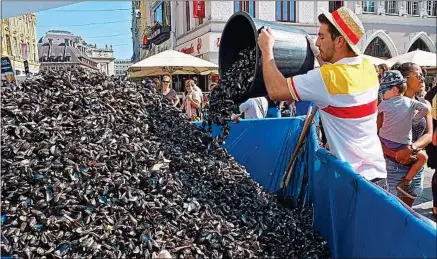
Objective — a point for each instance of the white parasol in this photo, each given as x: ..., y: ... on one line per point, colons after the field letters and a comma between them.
x: 172, y: 62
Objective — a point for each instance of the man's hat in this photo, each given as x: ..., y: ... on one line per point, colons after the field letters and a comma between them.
x: 348, y: 24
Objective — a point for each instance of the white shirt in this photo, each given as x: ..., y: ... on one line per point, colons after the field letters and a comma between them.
x: 254, y: 108
x: 351, y: 134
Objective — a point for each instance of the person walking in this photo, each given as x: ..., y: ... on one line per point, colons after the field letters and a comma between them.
x: 345, y: 89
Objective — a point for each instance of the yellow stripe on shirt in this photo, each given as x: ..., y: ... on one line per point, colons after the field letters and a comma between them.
x: 349, y: 79
x: 291, y: 89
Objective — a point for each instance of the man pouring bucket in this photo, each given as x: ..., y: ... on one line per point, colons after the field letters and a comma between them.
x: 345, y: 89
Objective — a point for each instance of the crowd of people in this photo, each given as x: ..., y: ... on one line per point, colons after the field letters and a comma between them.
x: 193, y: 100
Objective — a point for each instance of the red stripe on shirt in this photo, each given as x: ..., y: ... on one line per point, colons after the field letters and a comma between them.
x: 353, y: 112
x: 294, y: 89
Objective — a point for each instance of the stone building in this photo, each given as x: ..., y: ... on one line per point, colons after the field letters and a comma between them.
x: 121, y: 66
x: 18, y: 42
x: 104, y: 58
x: 392, y: 27
x: 62, y: 49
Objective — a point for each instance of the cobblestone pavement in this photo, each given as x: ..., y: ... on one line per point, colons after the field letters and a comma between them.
x: 423, y: 203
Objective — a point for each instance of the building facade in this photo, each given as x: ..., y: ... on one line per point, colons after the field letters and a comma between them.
x: 19, y: 43
x: 152, y: 27
x: 121, y: 67
x: 104, y: 58
x: 195, y: 27
x: 62, y: 49
x: 392, y: 27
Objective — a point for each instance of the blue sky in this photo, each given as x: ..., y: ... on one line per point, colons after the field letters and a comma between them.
x: 73, y: 17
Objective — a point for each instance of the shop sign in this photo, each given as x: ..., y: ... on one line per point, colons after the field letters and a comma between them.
x: 6, y: 70
x: 197, y: 46
x: 208, y: 42
x: 217, y: 43
x: 199, y: 9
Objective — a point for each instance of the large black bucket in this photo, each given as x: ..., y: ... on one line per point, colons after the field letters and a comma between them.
x: 292, y: 52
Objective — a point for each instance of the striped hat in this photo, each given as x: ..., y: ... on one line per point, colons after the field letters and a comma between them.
x: 348, y: 24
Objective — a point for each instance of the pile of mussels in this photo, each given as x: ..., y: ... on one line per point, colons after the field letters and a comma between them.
x: 95, y: 167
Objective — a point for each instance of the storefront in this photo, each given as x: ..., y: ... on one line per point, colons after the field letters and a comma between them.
x: 205, y: 47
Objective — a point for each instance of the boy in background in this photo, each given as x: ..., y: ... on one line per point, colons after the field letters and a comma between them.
x: 398, y: 114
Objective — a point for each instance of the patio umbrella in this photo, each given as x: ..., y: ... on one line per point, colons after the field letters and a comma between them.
x: 172, y: 62
x: 420, y: 57
x: 377, y: 61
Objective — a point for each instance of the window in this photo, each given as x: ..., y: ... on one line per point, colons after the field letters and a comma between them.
x: 286, y: 11
x: 8, y: 45
x: 16, y: 47
x: 369, y: 7
x: 198, y: 21
x: 391, y: 7
x: 246, y: 6
x: 419, y: 44
x: 334, y: 5
x: 378, y: 48
x: 161, y: 14
x: 158, y: 14
x: 431, y: 8
x: 413, y: 8
x: 187, y: 16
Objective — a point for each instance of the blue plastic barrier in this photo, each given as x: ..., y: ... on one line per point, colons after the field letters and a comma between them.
x: 358, y: 219
x: 265, y: 146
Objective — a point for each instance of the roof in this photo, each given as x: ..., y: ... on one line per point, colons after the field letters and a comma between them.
x: 61, y: 50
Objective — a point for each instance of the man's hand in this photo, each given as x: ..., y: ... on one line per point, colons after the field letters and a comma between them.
x: 313, y: 46
x: 266, y: 40
x: 235, y: 117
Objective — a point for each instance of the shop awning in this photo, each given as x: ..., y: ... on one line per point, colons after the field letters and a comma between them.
x: 172, y: 62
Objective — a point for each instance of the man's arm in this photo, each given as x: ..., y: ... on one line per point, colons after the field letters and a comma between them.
x: 275, y: 82
x: 308, y: 87
x: 245, y: 106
